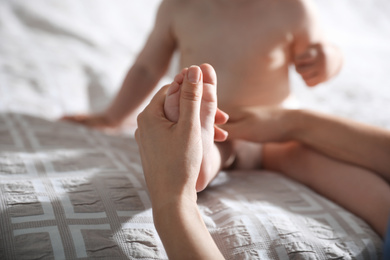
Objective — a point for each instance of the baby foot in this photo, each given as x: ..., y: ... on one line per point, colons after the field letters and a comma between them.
x: 207, y: 115
x: 211, y: 158
x: 171, y: 105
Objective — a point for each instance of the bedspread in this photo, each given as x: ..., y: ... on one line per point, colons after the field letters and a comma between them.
x: 71, y: 193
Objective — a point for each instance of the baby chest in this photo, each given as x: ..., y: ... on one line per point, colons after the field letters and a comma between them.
x: 239, y: 35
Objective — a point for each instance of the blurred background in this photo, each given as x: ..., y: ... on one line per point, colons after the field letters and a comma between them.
x: 65, y: 57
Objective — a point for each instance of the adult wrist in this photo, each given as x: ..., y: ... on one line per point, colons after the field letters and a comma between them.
x: 174, y: 208
x: 169, y: 198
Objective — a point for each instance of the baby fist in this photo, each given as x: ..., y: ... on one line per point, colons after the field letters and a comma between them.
x: 318, y: 63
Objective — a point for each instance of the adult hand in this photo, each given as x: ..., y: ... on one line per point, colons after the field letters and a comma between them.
x: 171, y: 152
x: 172, y: 102
x: 260, y: 124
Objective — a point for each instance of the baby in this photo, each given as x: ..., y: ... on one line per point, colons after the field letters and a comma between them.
x: 251, y: 45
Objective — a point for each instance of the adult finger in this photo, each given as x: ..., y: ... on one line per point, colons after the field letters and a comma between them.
x: 221, y: 117
x: 155, y: 107
x: 191, y: 96
x: 220, y: 135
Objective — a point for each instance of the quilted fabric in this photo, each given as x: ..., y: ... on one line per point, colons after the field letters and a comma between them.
x: 67, y: 192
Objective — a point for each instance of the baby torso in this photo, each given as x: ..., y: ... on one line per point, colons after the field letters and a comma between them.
x: 248, y: 42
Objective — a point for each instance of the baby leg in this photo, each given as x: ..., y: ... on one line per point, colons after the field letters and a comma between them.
x: 247, y: 155
x: 360, y: 191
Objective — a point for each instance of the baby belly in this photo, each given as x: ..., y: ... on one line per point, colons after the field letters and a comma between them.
x: 255, y: 96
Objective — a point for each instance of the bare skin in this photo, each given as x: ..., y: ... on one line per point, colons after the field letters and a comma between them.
x: 176, y: 124
x: 251, y: 45
x: 341, y: 159
x: 213, y: 156
x: 172, y: 153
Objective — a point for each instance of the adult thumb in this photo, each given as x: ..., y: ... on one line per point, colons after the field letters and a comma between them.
x: 191, y: 96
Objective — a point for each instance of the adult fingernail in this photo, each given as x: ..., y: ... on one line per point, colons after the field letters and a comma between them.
x: 193, y: 74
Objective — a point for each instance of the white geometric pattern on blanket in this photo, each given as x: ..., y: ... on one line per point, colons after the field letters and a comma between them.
x: 371, y: 248
x: 47, y: 212
x: 55, y: 238
x: 78, y: 238
x: 144, y: 198
x: 95, y: 204
x: 350, y: 220
x: 294, y: 222
x: 315, y: 222
x: 312, y: 204
x: 68, y: 206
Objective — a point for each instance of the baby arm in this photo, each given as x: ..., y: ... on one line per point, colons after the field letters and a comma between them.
x: 315, y: 59
x: 142, y: 78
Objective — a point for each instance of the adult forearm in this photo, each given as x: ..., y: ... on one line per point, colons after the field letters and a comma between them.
x: 183, y: 232
x: 343, y: 139
x: 137, y: 86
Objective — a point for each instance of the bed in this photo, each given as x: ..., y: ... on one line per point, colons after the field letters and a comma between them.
x: 68, y: 192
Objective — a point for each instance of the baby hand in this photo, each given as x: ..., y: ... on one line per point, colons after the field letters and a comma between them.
x: 318, y: 63
x: 98, y: 121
